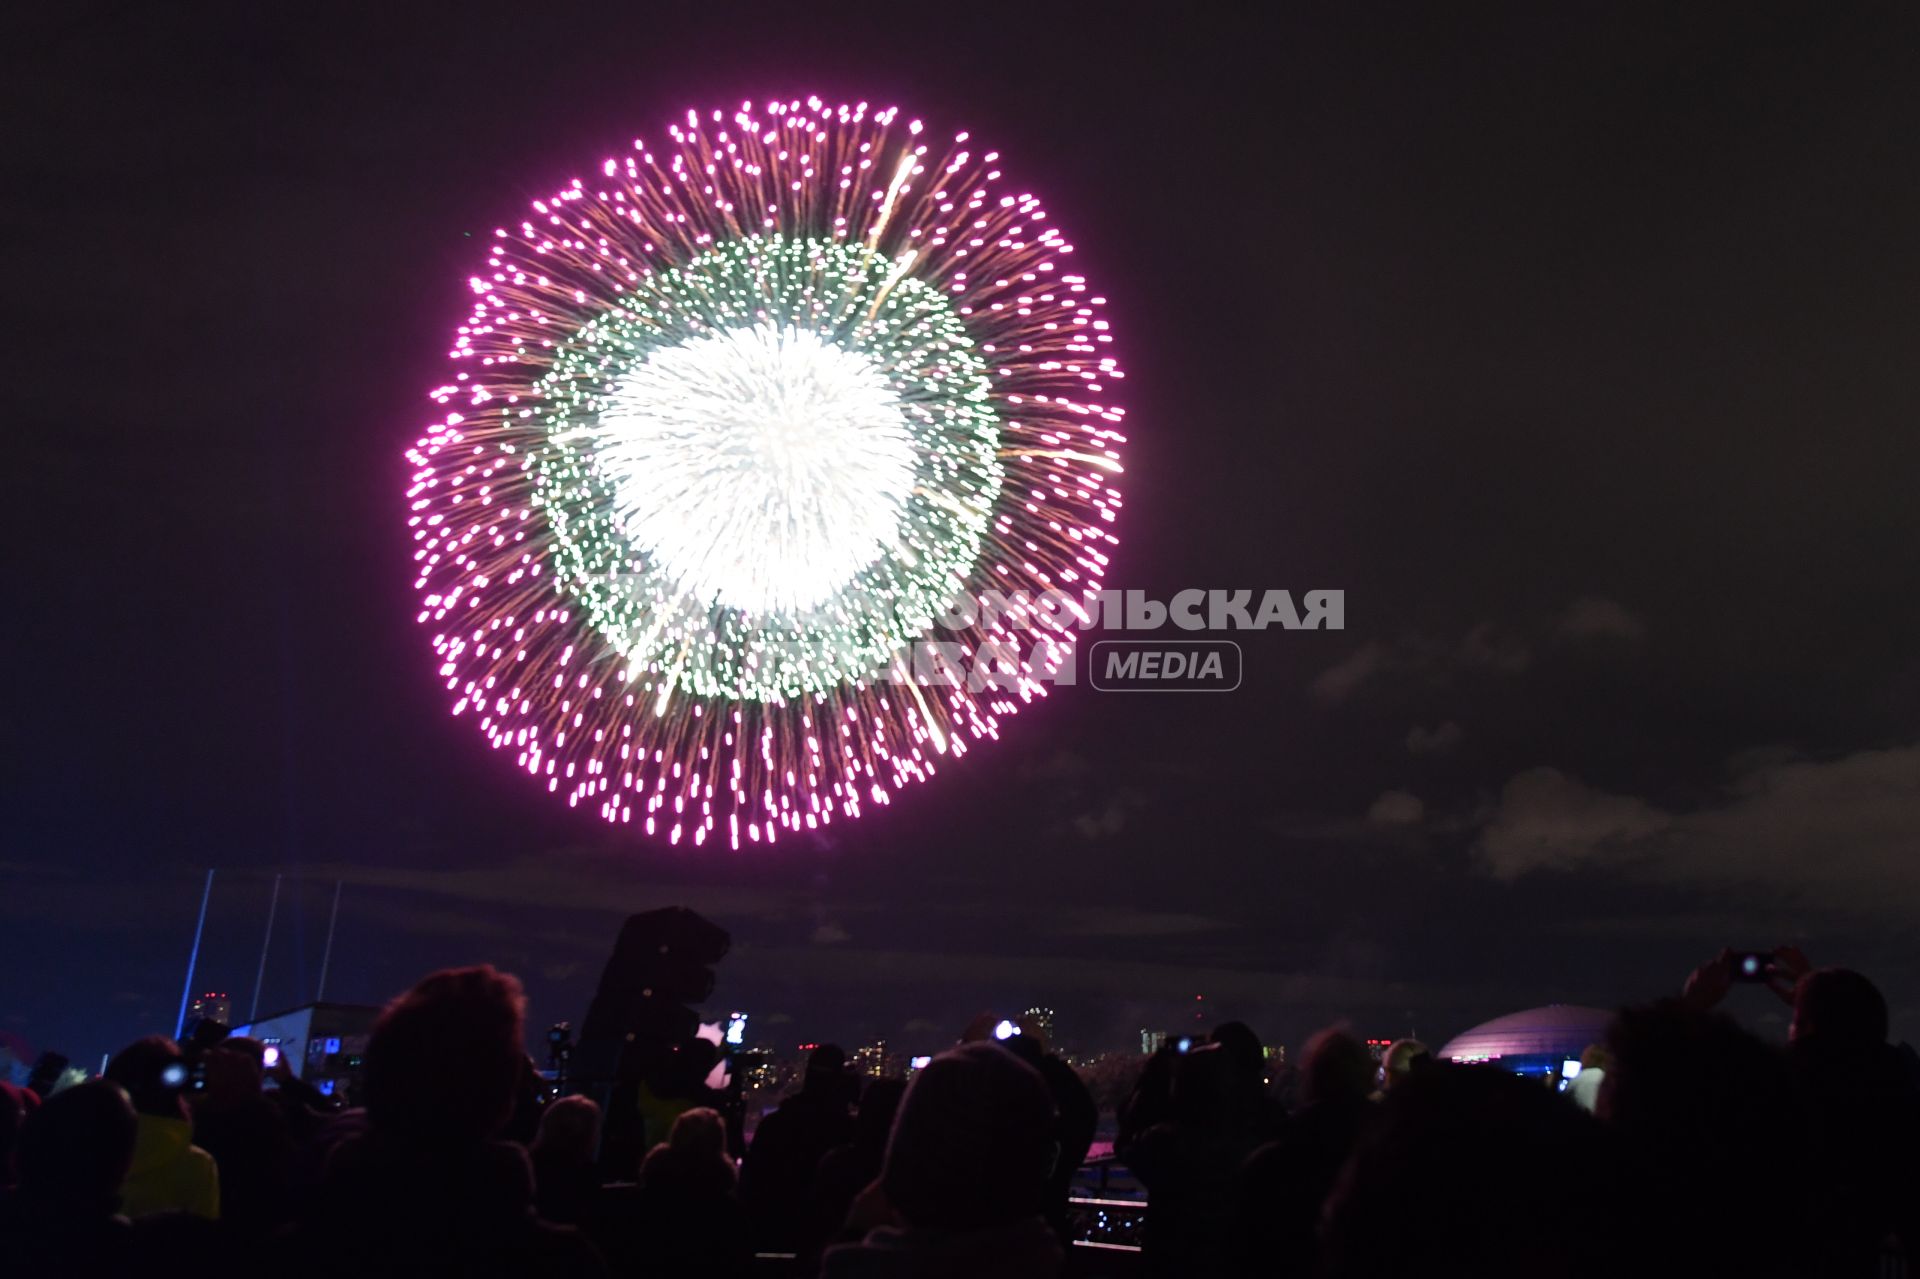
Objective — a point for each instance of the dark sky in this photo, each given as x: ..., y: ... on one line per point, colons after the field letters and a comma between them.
x: 1575, y: 343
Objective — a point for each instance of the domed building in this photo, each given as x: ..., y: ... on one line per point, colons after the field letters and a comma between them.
x: 1539, y: 1041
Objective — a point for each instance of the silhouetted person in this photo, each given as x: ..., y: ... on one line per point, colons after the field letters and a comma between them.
x: 1865, y: 1111
x: 1584, y: 1091
x: 1188, y: 1163
x: 1151, y: 1100
x: 850, y: 1168
x: 1280, y: 1190
x: 1078, y: 1118
x: 566, y: 1176
x: 964, y: 1184
x: 1253, y: 1104
x: 248, y: 1137
x: 1470, y: 1170
x: 693, y: 1161
x: 64, y: 1215
x: 529, y: 1098
x: 777, y: 1173
x: 640, y: 1116
x: 681, y: 1213
x: 1402, y: 1058
x: 693, y: 1224
x: 1710, y: 1129
x: 427, y: 1190
x: 169, y: 1173
x: 14, y: 1103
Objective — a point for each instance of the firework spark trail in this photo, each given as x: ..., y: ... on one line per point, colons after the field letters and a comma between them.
x: 670, y: 673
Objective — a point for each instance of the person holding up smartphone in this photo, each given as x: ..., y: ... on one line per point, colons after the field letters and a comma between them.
x: 1779, y: 970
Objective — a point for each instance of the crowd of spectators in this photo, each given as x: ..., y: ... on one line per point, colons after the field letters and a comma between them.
x: 1694, y: 1149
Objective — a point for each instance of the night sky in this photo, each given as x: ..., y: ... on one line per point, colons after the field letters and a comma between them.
x: 1575, y: 343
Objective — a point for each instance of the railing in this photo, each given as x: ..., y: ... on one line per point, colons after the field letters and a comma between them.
x: 1108, y: 1209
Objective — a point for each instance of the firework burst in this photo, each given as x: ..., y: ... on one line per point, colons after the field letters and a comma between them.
x: 729, y: 430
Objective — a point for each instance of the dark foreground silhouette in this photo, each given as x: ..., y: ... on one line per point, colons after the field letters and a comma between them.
x: 1702, y: 1151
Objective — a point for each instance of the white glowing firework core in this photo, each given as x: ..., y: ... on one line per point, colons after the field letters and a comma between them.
x: 759, y: 468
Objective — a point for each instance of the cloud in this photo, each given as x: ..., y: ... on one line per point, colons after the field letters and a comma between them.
x: 1546, y: 819
x: 568, y: 879
x: 1486, y: 647
x: 1434, y: 741
x: 1396, y: 808
x: 1126, y: 921
x: 1839, y: 833
x: 1107, y: 818
x: 1593, y: 617
x: 1492, y: 647
x: 1105, y: 824
x: 1847, y: 828
x: 1755, y: 759
x: 1340, y: 681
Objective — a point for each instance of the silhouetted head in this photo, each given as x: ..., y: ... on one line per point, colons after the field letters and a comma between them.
x: 1032, y: 1051
x: 569, y: 1129
x: 1465, y: 1171
x: 1243, y: 1048
x: 75, y: 1149
x: 445, y: 1059
x: 1402, y: 1059
x: 981, y: 1027
x: 827, y: 1063
x: 234, y: 1070
x: 878, y: 1106
x: 1203, y: 1081
x: 699, y: 1134
x: 153, y: 1072
x: 1838, y: 1007
x: 973, y: 1143
x: 1033, y: 1032
x: 246, y: 1046
x: 1336, y: 1068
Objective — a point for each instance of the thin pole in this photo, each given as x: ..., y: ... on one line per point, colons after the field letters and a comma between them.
x: 273, y: 905
x: 193, y: 958
x: 321, y: 991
